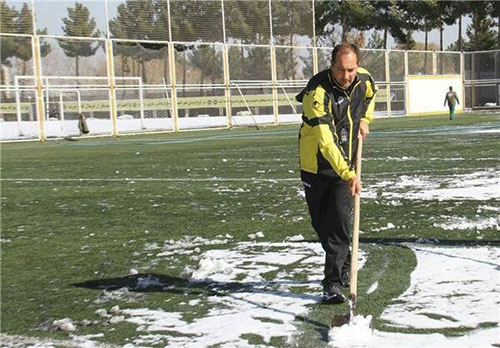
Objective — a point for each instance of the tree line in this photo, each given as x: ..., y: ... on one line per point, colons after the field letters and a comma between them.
x: 248, y: 22
x: 401, y: 19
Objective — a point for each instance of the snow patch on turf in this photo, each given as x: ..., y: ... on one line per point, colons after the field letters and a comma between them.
x: 262, y: 300
x: 481, y: 185
x: 187, y: 245
x: 462, y: 223
x: 356, y: 333
x: 450, y: 288
x: 372, y: 288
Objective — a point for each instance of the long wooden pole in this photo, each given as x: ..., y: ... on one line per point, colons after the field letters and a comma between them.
x: 353, y: 281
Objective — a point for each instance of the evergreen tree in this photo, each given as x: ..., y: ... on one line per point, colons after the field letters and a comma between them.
x: 18, y: 22
x: 387, y: 17
x: 25, y: 26
x: 348, y: 14
x: 140, y: 20
x: 495, y: 14
x: 375, y: 41
x: 7, y: 25
x: 248, y: 22
x: 481, y: 36
x: 291, y: 19
x: 79, y: 23
x: 413, y: 18
x: 209, y: 62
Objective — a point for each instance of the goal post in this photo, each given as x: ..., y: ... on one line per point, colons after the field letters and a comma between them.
x: 80, y: 94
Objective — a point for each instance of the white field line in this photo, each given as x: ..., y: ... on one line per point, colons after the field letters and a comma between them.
x: 24, y: 341
x: 148, y: 179
x: 216, y: 179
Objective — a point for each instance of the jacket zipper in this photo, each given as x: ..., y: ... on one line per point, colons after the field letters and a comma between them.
x: 350, y: 118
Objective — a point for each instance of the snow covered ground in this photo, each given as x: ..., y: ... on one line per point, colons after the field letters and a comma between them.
x: 277, y: 282
x: 450, y: 288
x: 266, y: 304
x: 480, y: 185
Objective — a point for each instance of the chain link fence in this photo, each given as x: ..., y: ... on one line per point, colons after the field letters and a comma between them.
x: 179, y: 64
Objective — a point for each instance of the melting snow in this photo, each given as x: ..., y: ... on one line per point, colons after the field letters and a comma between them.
x: 372, y: 288
x: 462, y: 223
x: 479, y: 186
x: 450, y: 288
x: 355, y: 334
x: 264, y: 307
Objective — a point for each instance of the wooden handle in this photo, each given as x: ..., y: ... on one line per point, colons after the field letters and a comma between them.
x: 353, y: 281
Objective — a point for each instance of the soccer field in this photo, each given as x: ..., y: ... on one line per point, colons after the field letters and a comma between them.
x: 203, y: 239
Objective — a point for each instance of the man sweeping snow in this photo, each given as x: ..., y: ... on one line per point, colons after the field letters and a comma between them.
x: 338, y: 105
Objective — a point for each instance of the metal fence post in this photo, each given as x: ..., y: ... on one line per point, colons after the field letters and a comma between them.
x: 315, y: 51
x: 111, y: 84
x: 35, y: 41
x: 111, y: 74
x: 171, y: 65
x: 434, y: 64
x: 39, y: 91
x: 273, y: 68
x: 227, y: 77
x: 388, y: 83
x: 462, y: 73
x: 407, y: 93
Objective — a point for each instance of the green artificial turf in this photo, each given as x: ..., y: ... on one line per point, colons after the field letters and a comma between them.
x: 76, y: 212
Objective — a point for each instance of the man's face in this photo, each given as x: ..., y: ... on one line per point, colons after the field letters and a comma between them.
x: 345, y: 68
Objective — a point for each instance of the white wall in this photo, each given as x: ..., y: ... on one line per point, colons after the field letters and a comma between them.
x: 426, y: 93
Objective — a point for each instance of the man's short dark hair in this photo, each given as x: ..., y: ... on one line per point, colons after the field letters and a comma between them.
x: 345, y: 47
x: 451, y: 88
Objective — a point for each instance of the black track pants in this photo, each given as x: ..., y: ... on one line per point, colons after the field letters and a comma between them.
x: 330, y: 207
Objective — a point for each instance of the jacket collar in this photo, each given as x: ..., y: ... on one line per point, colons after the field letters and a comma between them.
x: 335, y: 84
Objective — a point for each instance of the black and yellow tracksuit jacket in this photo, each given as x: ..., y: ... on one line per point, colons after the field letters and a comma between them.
x: 331, y: 117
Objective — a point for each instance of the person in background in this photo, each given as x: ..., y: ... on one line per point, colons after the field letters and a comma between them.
x: 338, y: 106
x: 452, y: 100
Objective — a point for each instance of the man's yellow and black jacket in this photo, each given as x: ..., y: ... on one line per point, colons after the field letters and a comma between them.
x: 331, y: 117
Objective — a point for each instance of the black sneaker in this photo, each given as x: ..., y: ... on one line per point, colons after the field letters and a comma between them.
x: 345, y: 279
x: 333, y: 294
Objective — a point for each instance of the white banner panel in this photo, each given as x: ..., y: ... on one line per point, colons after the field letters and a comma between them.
x: 426, y: 93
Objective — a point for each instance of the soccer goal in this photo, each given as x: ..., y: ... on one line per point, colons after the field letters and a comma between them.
x: 65, y: 97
